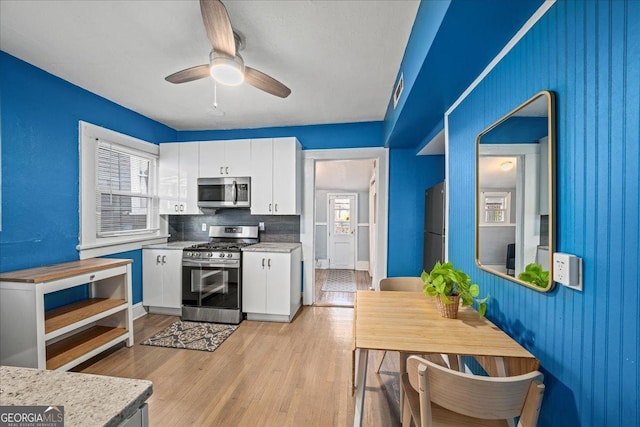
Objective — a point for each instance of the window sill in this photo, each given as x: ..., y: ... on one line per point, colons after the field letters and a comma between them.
x: 122, y: 245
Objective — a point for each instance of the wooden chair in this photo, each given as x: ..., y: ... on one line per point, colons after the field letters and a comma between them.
x: 437, y: 396
x: 407, y: 284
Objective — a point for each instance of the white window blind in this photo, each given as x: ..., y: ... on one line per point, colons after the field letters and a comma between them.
x: 125, y: 203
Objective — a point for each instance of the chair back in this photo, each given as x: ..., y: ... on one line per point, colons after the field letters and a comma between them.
x: 489, y: 398
x: 407, y: 284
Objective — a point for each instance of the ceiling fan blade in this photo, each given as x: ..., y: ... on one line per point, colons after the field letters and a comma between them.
x: 264, y: 82
x: 218, y: 26
x: 190, y: 74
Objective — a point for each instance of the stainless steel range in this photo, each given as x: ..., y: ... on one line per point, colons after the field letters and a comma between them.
x: 212, y: 275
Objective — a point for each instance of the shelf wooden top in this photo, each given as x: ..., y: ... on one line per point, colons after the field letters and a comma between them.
x: 60, y: 271
x: 409, y: 322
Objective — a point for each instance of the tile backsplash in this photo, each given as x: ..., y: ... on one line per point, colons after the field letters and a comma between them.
x: 278, y: 228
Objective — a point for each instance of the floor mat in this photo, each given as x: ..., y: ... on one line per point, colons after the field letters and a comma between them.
x: 192, y: 336
x: 339, y: 281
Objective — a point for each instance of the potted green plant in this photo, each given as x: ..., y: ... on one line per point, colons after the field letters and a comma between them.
x: 449, y: 286
x: 535, y: 274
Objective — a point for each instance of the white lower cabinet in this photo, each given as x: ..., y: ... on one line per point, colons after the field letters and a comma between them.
x: 271, y: 284
x: 162, y: 280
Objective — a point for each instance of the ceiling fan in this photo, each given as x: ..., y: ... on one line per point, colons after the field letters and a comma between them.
x: 226, y: 65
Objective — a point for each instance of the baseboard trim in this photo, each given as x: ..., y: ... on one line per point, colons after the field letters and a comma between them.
x: 165, y: 311
x: 362, y: 265
x: 138, y: 311
x: 322, y: 264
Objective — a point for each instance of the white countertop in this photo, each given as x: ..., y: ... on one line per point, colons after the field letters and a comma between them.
x: 272, y: 247
x: 173, y: 245
x: 88, y: 400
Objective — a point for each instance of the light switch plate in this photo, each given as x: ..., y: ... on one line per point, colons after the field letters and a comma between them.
x: 567, y: 270
x: 204, y: 226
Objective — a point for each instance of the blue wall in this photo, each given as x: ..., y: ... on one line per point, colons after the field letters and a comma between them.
x: 40, y: 164
x: 312, y: 137
x: 588, y: 53
x: 409, y: 177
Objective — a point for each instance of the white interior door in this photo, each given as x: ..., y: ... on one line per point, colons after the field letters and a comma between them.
x: 342, y: 231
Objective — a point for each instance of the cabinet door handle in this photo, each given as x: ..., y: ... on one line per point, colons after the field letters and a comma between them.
x: 227, y: 170
x: 269, y: 207
x: 269, y: 263
x: 221, y: 173
x: 175, y: 207
x: 262, y: 262
x: 276, y: 207
x: 93, y: 276
x: 164, y: 259
x: 158, y: 259
x: 181, y: 207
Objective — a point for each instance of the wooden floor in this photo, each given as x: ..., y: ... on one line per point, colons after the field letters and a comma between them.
x: 339, y: 299
x: 264, y: 374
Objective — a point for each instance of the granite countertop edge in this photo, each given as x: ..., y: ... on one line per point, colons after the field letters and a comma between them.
x: 88, y: 399
x: 284, y: 247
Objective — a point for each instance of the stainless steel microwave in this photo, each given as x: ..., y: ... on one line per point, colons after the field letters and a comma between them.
x: 224, y: 192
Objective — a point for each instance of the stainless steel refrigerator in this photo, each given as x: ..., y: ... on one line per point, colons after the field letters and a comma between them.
x: 434, y: 231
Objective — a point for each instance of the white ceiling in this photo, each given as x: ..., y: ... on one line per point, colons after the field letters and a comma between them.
x: 348, y: 175
x: 492, y: 176
x: 340, y: 58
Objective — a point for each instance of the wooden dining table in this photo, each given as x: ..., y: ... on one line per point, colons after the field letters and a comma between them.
x: 409, y: 322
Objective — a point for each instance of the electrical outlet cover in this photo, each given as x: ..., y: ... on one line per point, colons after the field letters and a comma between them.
x: 567, y: 270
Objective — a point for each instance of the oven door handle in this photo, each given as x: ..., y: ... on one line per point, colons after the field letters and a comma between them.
x: 235, y: 192
x: 204, y: 263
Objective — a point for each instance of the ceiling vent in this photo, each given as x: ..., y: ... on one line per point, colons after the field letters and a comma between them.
x: 398, y: 91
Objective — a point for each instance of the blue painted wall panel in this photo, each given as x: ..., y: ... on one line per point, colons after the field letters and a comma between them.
x: 410, y: 176
x: 40, y: 166
x: 588, y: 53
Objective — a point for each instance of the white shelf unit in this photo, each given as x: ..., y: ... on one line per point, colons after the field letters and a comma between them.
x: 64, y: 337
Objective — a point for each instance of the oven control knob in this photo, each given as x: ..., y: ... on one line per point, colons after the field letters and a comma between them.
x: 229, y: 255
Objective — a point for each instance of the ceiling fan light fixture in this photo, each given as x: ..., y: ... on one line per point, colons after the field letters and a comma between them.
x: 226, y: 70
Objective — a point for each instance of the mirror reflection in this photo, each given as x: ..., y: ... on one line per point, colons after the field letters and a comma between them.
x: 515, y: 187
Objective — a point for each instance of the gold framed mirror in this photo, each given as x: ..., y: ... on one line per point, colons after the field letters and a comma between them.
x: 515, y: 194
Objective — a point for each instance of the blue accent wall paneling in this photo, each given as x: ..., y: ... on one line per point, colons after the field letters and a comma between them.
x: 587, y: 342
x: 40, y: 163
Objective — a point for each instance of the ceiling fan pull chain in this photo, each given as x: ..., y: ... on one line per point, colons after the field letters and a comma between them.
x: 215, y: 95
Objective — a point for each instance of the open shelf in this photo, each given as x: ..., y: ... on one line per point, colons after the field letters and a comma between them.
x: 72, y: 334
x: 77, y: 312
x: 64, y: 351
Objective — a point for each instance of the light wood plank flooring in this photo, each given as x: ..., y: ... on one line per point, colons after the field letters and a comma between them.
x: 264, y: 374
x: 339, y: 299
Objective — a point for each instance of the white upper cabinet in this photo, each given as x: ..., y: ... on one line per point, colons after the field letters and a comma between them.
x: 276, y: 175
x: 178, y: 178
x: 225, y: 158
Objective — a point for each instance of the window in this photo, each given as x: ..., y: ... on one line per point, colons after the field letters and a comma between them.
x: 124, y: 202
x: 495, y: 207
x: 118, y: 196
x: 341, y: 216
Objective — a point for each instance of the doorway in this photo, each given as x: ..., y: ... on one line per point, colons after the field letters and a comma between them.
x: 311, y: 232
